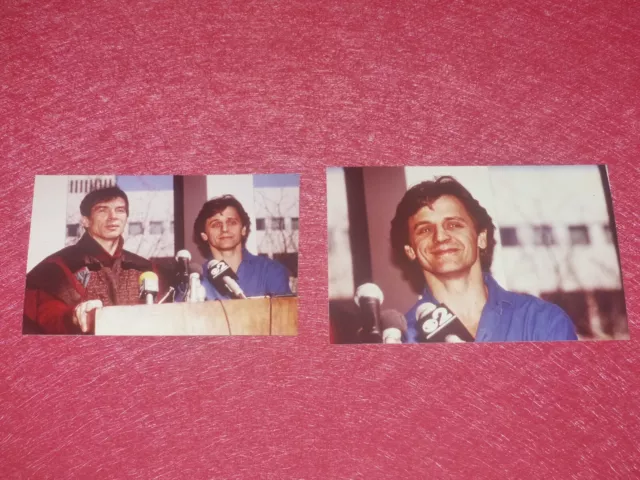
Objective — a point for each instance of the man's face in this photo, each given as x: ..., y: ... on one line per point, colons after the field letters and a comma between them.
x: 224, y: 230
x: 107, y: 219
x: 443, y: 238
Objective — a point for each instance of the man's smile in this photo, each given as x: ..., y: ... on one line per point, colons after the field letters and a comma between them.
x: 445, y: 251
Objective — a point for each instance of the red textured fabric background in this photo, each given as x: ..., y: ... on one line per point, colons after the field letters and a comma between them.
x: 196, y: 88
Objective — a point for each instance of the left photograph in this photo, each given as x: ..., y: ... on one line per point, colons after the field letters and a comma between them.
x: 163, y: 255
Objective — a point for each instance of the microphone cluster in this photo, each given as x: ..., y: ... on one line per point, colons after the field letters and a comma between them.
x: 188, y: 280
x: 378, y: 327
x: 435, y: 323
x: 220, y: 274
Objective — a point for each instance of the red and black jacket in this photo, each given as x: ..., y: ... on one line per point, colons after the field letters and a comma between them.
x: 75, y: 274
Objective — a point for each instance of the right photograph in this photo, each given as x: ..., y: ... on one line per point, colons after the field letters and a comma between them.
x: 473, y: 254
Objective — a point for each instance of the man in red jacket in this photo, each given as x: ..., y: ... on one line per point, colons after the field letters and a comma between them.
x: 64, y: 290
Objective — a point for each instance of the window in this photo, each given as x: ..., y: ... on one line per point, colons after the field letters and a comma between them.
x: 156, y: 228
x: 608, y: 234
x: 295, y: 223
x: 73, y: 230
x: 136, y: 228
x: 579, y: 235
x: 543, y: 235
x: 509, y: 237
x: 260, y: 224
x: 277, y: 223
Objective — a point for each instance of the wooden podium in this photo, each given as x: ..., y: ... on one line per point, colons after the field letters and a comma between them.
x: 253, y: 316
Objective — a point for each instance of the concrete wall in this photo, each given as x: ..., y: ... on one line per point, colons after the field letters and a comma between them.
x: 48, y: 218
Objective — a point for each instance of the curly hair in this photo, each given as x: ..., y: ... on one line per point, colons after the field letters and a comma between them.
x: 211, y: 208
x: 424, y: 194
x: 102, y: 195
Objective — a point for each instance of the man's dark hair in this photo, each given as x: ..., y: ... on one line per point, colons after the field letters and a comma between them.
x: 102, y: 195
x: 211, y: 208
x: 424, y: 194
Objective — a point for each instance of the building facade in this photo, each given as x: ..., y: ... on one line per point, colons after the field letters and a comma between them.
x: 277, y: 224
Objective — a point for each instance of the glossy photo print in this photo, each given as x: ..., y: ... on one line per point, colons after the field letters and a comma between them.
x: 473, y: 254
x: 163, y: 255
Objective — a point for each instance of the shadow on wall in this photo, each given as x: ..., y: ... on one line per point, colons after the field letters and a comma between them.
x: 344, y: 317
x: 597, y: 314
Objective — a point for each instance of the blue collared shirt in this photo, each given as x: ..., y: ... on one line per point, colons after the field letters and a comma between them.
x: 509, y: 317
x: 257, y: 276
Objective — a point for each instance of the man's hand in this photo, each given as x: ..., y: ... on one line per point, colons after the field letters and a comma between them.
x: 84, y: 315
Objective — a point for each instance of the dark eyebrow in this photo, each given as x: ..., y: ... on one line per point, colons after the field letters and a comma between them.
x: 459, y: 219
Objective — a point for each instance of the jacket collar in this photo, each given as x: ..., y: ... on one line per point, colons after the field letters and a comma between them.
x: 498, y: 296
x: 94, y: 255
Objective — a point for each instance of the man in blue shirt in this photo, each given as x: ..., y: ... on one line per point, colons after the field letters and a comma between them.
x: 221, y: 230
x: 442, y: 232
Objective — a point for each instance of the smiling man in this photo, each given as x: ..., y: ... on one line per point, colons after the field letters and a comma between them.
x: 221, y: 230
x: 64, y: 289
x: 440, y: 229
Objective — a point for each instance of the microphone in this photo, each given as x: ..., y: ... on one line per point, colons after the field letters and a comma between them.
x: 183, y: 258
x: 436, y: 323
x: 393, y: 326
x: 369, y: 297
x: 224, y: 279
x: 149, y: 287
x: 195, y: 292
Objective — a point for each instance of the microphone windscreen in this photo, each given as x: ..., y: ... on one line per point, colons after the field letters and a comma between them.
x: 220, y: 268
x: 368, y: 290
x: 436, y: 323
x: 183, y: 255
x: 393, y: 319
x: 149, y: 281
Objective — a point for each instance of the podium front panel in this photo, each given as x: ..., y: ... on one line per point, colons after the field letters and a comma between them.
x: 253, y: 316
